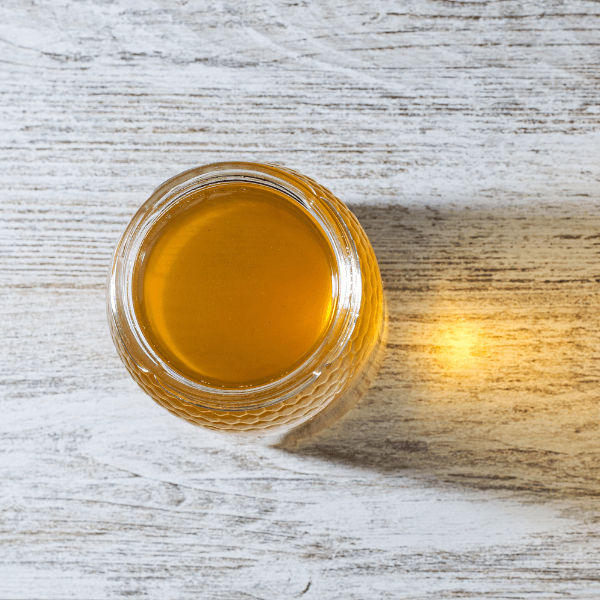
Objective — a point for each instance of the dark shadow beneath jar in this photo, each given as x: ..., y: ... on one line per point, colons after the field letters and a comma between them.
x: 492, y: 372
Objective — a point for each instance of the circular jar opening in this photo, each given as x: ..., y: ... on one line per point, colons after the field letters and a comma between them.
x: 235, y: 285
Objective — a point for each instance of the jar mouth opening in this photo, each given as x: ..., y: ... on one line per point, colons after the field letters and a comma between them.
x: 346, y: 286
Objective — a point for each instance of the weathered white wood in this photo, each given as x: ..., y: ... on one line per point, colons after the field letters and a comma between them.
x: 467, y: 471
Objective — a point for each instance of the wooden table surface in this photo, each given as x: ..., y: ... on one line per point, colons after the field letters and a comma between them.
x: 465, y: 136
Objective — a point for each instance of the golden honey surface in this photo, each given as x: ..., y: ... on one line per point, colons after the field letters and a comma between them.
x: 236, y: 289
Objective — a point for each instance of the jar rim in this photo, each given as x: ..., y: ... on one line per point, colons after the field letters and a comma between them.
x: 347, y: 291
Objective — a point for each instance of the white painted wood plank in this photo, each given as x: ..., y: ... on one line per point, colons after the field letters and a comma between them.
x: 475, y: 478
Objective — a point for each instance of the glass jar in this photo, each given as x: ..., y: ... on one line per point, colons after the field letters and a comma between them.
x: 311, y: 395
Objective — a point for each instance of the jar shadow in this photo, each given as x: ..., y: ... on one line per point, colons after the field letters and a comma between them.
x: 490, y: 377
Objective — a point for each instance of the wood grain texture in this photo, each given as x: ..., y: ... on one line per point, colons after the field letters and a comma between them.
x: 465, y: 136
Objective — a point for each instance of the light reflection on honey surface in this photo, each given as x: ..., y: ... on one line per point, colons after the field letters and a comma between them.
x: 493, y: 369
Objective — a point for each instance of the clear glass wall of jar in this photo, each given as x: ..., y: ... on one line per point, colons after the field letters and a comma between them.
x: 314, y: 394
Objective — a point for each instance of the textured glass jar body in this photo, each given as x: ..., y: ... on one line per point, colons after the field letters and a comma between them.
x: 328, y: 382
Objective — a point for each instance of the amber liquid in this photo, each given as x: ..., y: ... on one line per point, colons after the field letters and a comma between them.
x: 235, y: 288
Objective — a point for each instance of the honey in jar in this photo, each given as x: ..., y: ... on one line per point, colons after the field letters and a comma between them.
x: 236, y: 290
